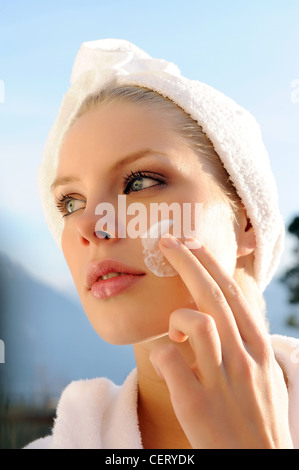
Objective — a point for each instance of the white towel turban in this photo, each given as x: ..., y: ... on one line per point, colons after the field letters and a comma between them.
x: 233, y: 131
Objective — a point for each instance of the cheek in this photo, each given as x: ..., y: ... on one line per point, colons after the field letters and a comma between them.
x: 68, y: 250
x: 65, y: 244
x: 218, y: 235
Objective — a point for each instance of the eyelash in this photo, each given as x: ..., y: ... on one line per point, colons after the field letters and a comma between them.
x: 61, y: 202
x: 131, y: 177
x: 62, y: 199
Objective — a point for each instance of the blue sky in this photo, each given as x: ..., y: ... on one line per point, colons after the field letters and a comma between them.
x: 247, y: 49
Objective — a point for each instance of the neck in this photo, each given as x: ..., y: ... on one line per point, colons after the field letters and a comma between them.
x: 158, y: 423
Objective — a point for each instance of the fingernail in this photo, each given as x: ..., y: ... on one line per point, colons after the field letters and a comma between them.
x: 168, y: 241
x: 192, y: 243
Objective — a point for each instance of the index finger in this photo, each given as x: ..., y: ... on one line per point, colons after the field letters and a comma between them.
x: 212, y: 289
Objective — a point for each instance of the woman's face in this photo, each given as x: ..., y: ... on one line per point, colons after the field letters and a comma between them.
x: 101, y: 149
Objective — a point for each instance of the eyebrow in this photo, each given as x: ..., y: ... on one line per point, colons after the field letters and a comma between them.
x: 63, y: 180
x: 117, y: 166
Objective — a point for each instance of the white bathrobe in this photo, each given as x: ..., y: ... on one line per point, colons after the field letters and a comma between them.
x: 97, y: 414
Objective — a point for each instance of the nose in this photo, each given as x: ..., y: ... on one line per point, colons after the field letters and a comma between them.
x: 94, y: 229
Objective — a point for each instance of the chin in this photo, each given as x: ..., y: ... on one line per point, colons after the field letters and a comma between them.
x: 119, y: 337
x: 128, y: 320
x: 126, y: 329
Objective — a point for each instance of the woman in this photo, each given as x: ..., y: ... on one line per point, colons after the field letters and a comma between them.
x: 208, y: 374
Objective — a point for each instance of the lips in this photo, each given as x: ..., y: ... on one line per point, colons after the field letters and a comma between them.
x: 96, y: 270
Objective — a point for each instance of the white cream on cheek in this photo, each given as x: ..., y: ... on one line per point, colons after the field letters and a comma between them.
x: 221, y: 240
x: 152, y: 255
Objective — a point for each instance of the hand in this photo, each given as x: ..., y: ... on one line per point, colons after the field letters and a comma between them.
x: 234, y: 396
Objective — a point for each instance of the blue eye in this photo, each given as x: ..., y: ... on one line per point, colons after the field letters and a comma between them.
x: 138, y: 181
x: 72, y: 205
x: 67, y: 204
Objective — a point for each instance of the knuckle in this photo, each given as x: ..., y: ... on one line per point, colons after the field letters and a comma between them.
x: 167, y: 354
x: 235, y: 291
x: 217, y: 295
x: 264, y: 352
x: 203, y: 324
x: 243, y: 367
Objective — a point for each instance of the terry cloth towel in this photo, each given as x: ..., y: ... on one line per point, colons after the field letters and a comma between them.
x: 233, y: 131
x: 97, y: 414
